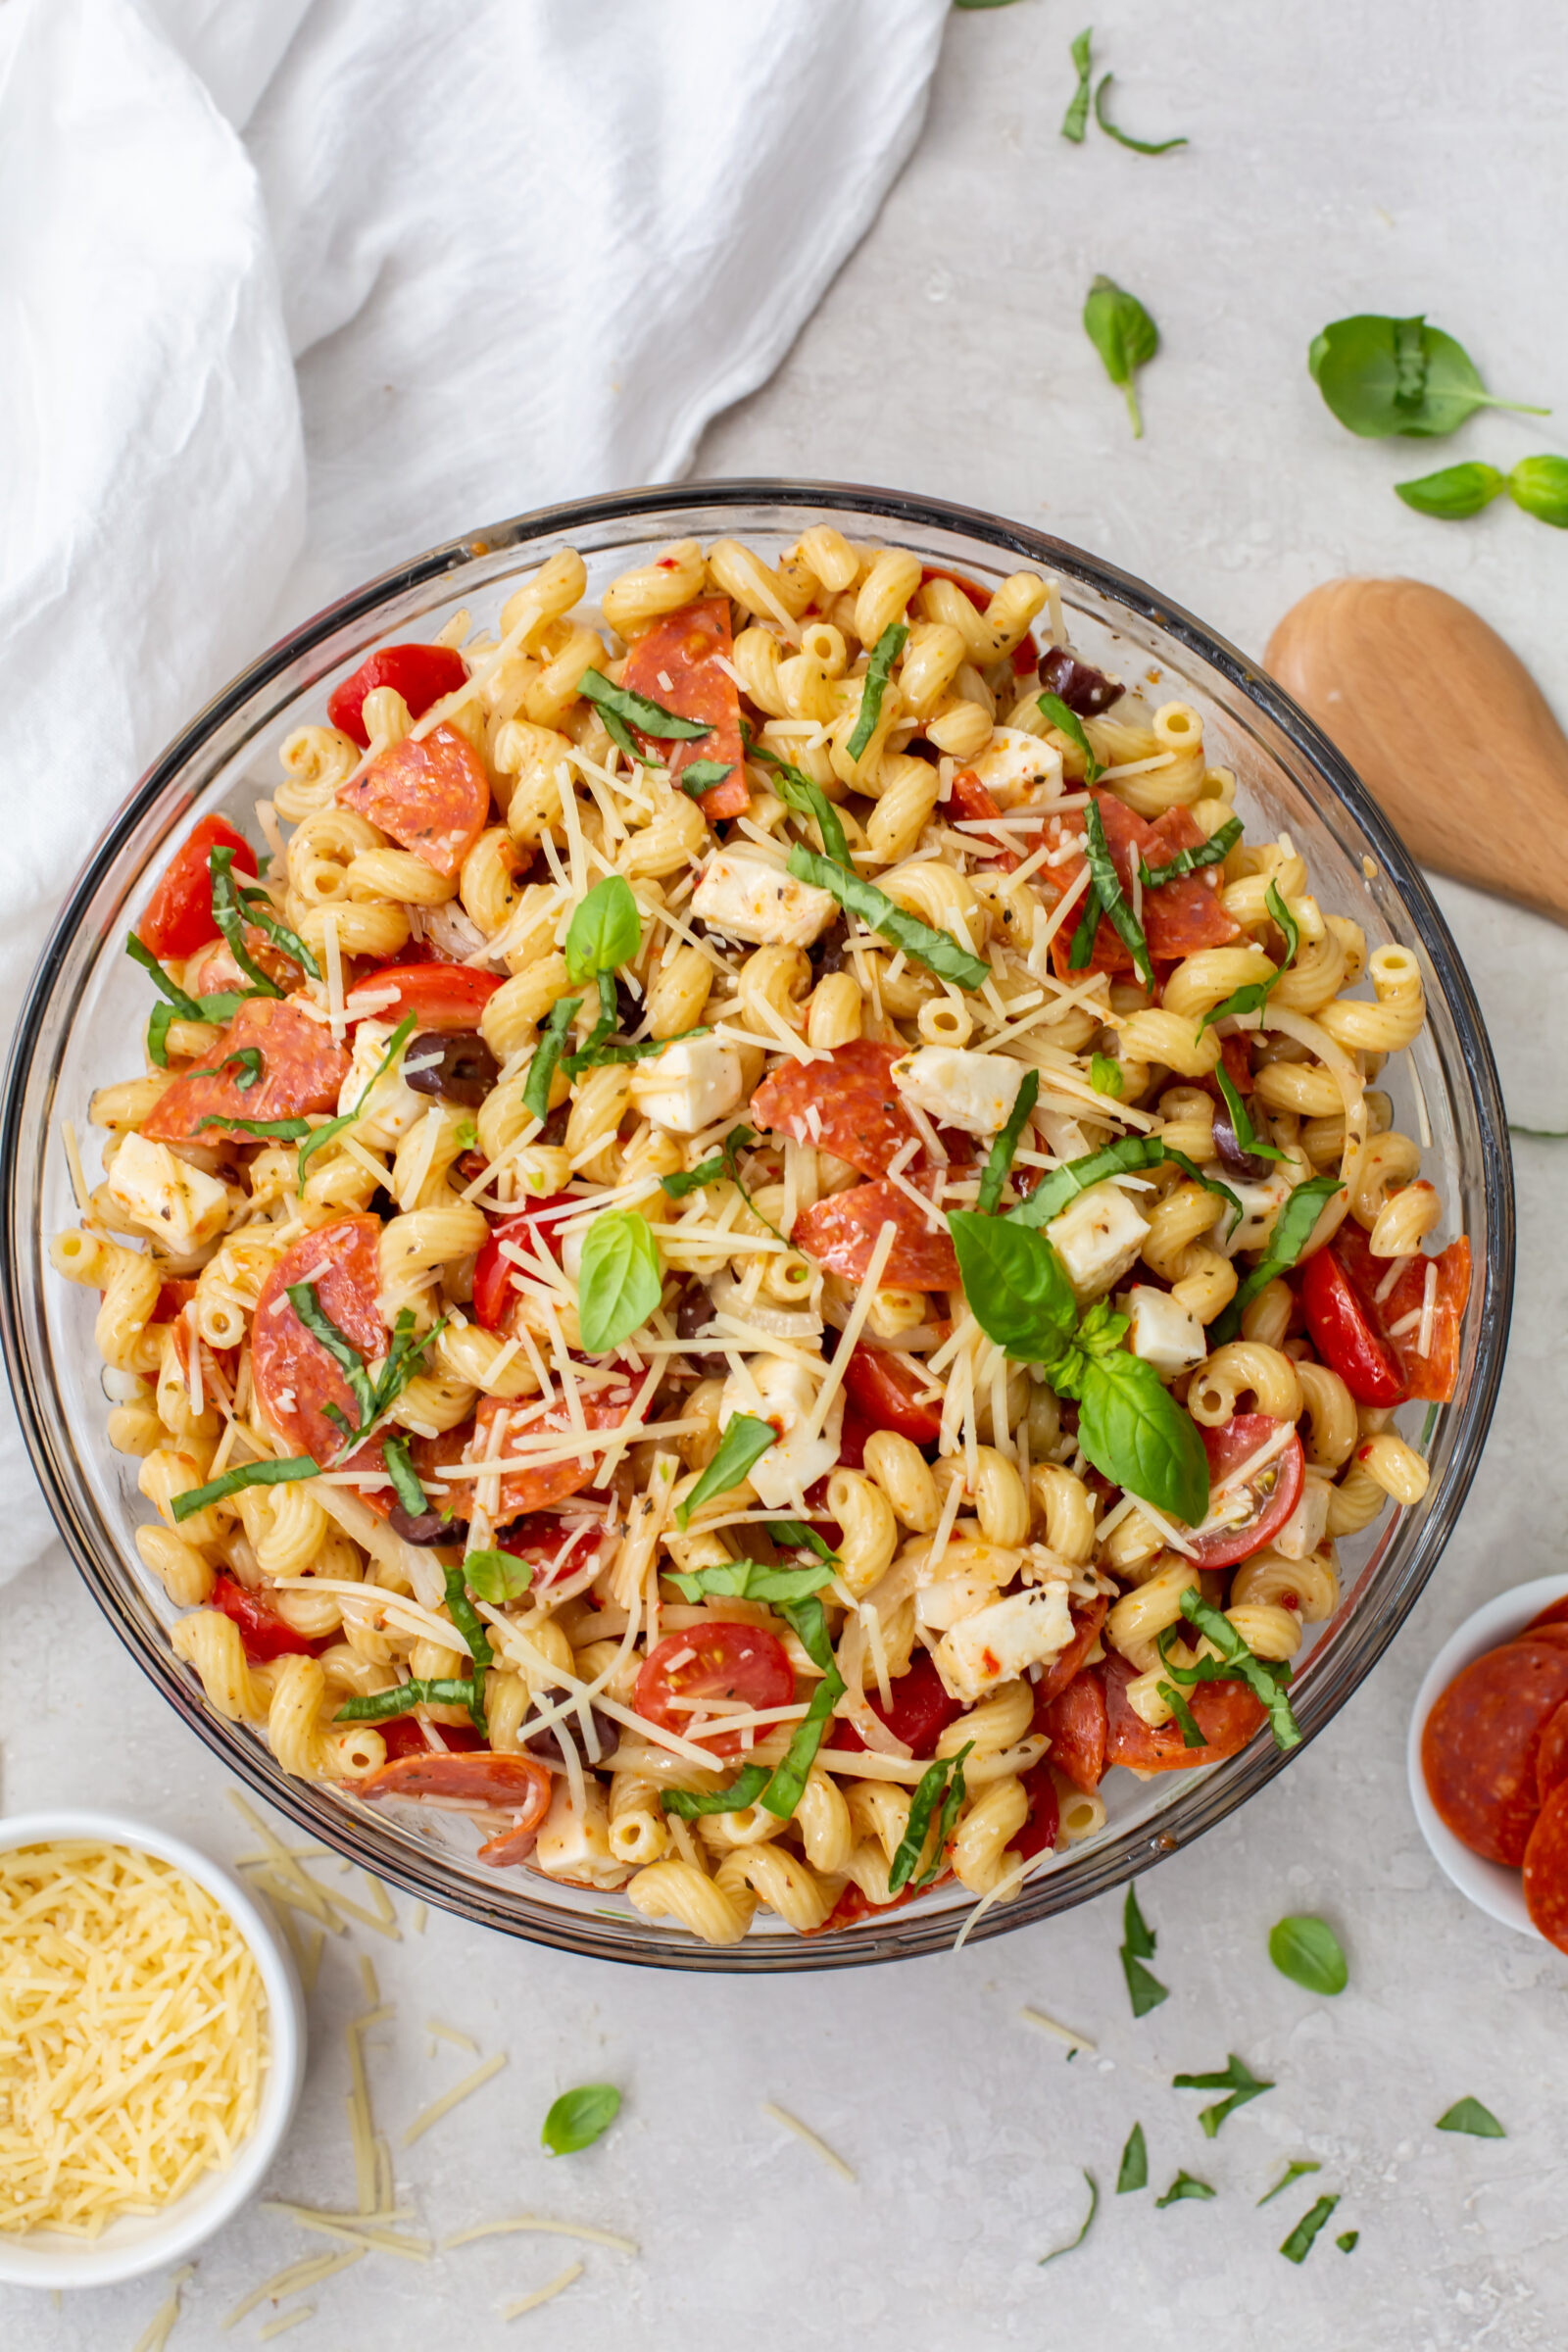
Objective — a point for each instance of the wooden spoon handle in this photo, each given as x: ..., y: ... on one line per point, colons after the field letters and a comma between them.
x: 1443, y: 724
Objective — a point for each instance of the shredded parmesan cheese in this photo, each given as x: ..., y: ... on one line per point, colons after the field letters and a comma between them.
x: 544, y: 2295
x: 819, y: 2146
x: 451, y: 2098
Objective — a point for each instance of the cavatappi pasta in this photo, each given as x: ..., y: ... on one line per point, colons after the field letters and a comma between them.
x: 528, y: 1256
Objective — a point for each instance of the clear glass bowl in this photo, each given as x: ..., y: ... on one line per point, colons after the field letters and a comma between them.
x: 89, y: 1003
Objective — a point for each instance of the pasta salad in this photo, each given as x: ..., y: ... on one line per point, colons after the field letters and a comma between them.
x: 753, y: 1242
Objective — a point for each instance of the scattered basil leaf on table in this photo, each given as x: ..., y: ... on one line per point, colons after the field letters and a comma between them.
x: 1134, y: 2172
x: 885, y: 650
x: 1299, y: 2245
x: 941, y: 954
x: 1294, y: 1228
x: 1067, y: 722
x: 605, y: 930
x: 1236, y: 2078
x: 249, y: 1474
x: 1105, y: 1076
x: 1125, y: 337
x: 1307, y: 1951
x: 1347, y: 2240
x: 622, y: 1279
x: 1400, y: 376
x: 1144, y: 1991
x: 1184, y: 2185
x: 579, y: 2117
x: 497, y: 1576
x: 1454, y: 494
x: 1122, y: 137
x: 744, y: 1441
x: 1093, y: 2208
x: 1294, y: 2172
x: 1540, y: 485
x: 1075, y: 121
x: 1465, y: 2115
x: 1005, y: 1145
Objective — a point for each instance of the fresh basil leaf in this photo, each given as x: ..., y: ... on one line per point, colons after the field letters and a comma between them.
x: 231, y: 921
x: 1136, y: 1433
x: 380, y: 1707
x: 1185, y: 1721
x: 744, y: 1441
x: 1211, y: 1184
x: 1123, y: 139
x: 606, y: 931
x: 404, y: 1481
x: 1124, y: 335
x: 319, y: 1323
x: 1294, y: 2172
x: 1212, y: 852
x: 796, y: 1535
x: 1088, y: 931
x: 1109, y: 891
x: 620, y: 1282
x: 750, y: 1580
x: 1453, y: 494
x: 1307, y: 1951
x: 1241, y: 1119
x: 546, y: 1054
x: 259, y: 911
x: 787, y: 1784
x: 1134, y: 2172
x: 1067, y: 722
x: 1294, y: 1228
x: 1264, y: 1678
x: 496, y: 1576
x: 1093, y: 2208
x: 941, y: 954
x: 334, y: 1127
x: 1238, y: 2079
x: 279, y: 1131
x: 889, y: 646
x: 722, y: 1162
x: 1137, y: 1936
x: 1014, y: 1284
x: 1299, y: 2245
x: 1007, y: 1143
x: 1540, y: 485
x: 1253, y: 995
x: 1399, y: 376
x: 636, y: 710
x: 798, y: 792
x: 692, y: 1803
x: 249, y: 1474
x: 1075, y: 121
x: 467, y: 1618
x: 931, y: 1793
x: 701, y: 775
x: 1347, y: 2240
x: 1125, y: 1157
x: 1105, y: 1076
x: 1468, y: 2115
x: 184, y: 1007
x: 1184, y: 2185
x: 579, y: 2117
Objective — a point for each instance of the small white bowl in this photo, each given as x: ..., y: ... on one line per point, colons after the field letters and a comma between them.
x: 140, y: 2242
x: 1495, y: 1890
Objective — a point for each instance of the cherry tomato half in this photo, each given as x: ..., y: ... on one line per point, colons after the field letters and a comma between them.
x: 261, y: 1628
x: 447, y: 997
x: 493, y: 1269
x: 421, y: 673
x: 1270, y: 1496
x: 179, y: 918
x: 1040, y: 1831
x: 887, y: 1397
x: 1343, y: 1333
x: 538, y: 1540
x: 722, y: 1660
x: 921, y: 1713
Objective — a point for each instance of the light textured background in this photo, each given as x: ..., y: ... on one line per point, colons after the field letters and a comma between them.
x: 1342, y: 158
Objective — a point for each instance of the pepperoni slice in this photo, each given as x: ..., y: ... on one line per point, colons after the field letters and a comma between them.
x: 861, y: 1116
x: 1431, y: 1377
x: 404, y: 1736
x: 301, y: 1070
x: 841, y: 1233
x: 1040, y: 1831
x: 478, y: 1778
x: 1088, y: 1616
x: 1551, y: 1757
x: 680, y: 663
x: 1546, y: 1868
x: 294, y: 1377
x: 1076, y: 1724
x: 421, y: 673
x: 432, y: 796
x: 1179, y: 918
x: 523, y: 1490
x: 853, y: 1907
x: 1481, y: 1743
x: 1226, y: 1713
x: 1555, y: 1613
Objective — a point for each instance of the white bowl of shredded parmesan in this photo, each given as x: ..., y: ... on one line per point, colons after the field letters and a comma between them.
x: 152, y: 2048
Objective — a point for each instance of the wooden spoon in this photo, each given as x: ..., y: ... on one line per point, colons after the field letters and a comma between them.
x: 1445, y: 726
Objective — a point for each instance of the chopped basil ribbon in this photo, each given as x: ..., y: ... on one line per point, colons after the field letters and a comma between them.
x: 787, y: 1784
x: 179, y: 1006
x: 471, y: 1625
x: 1083, y: 939
x: 1067, y: 722
x: 796, y: 1535
x: 595, y: 1055
x: 1144, y: 1991
x: 1294, y: 2172
x: 744, y: 1442
x: 1124, y: 1157
x: 329, y: 1128
x: 259, y: 908
x: 546, y: 1054
x: 1106, y: 1077
x: 1218, y: 846
x: 1122, y: 137
x: 1108, y: 892
x: 621, y: 711
x: 1347, y: 2240
x: 1186, y: 1720
x: 934, y: 948
x: 580, y: 2117
x: 378, y: 1706
x: 1254, y: 994
x: 278, y: 1131
x: 751, y: 1580
x: 1006, y: 1142
x: 1307, y: 1951
x: 1134, y: 2172
x: 1211, y: 1184
x: 692, y: 1803
x: 798, y: 792
x: 248, y: 1058
x: 1241, y: 1119
x: 605, y: 930
x: 622, y: 1279
x: 1093, y: 2208
x: 933, y: 1790
x: 1299, y: 2245
x: 603, y: 1027
x: 405, y: 1480
x: 1265, y: 1678
x: 249, y: 1474
x: 889, y: 646
x: 339, y: 1347
x: 1468, y: 2115
x: 722, y: 1163
x: 496, y: 1576
x: 701, y: 775
x: 1075, y: 121
x: 1294, y: 1228
x: 1238, y: 2079
x: 1184, y: 2185
x: 371, y: 1398
x: 231, y: 921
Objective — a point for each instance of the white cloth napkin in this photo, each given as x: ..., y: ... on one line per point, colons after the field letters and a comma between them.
x: 292, y: 288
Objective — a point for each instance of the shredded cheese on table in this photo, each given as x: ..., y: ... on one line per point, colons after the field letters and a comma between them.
x: 819, y: 2146
x: 544, y: 2295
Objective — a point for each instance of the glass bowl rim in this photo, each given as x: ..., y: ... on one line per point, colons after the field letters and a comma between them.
x: 1215, y: 1795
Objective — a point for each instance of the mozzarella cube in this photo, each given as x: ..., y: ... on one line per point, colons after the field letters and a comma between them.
x: 1299, y: 1537
x: 973, y: 1574
x: 1097, y: 1237
x: 184, y: 1206
x: 744, y: 895
x: 394, y: 1107
x: 972, y: 1091
x: 787, y: 1394
x: 1000, y: 1644
x: 1015, y: 764
x: 690, y: 1085
x: 1261, y: 1198
x: 1163, y: 1332
x: 576, y: 1846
